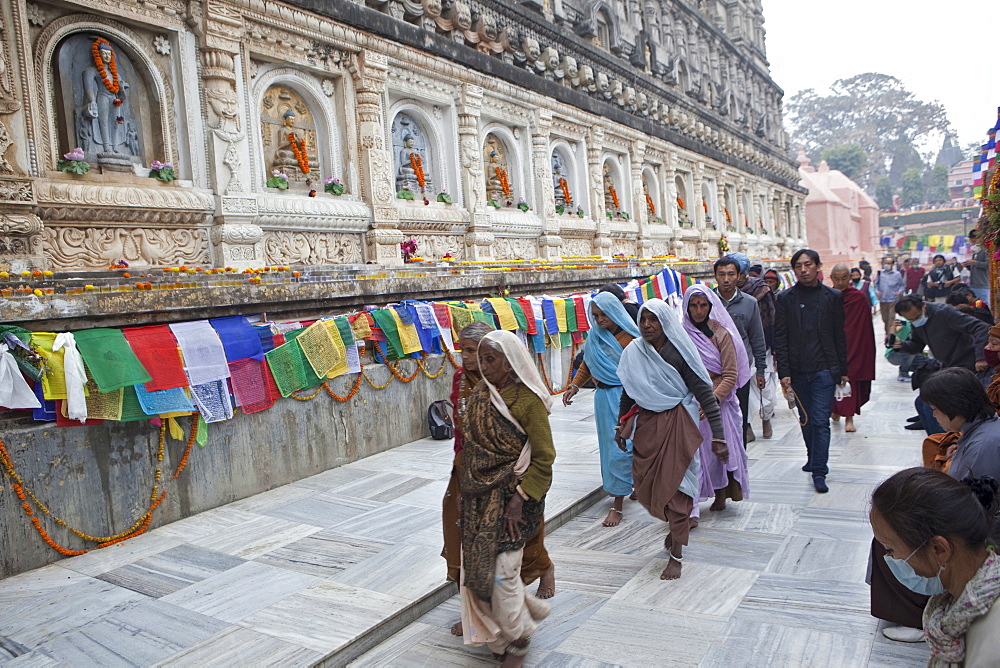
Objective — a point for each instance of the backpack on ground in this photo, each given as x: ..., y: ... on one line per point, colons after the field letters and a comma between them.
x: 440, y: 421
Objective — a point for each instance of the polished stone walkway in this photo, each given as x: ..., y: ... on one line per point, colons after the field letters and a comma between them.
x: 778, y: 580
x: 333, y: 565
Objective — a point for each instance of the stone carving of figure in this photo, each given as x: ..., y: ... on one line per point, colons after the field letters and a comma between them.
x: 551, y: 58
x: 559, y: 182
x: 105, y: 122
x: 570, y: 71
x: 498, y: 187
x: 603, y: 85
x: 293, y: 157
x: 611, y: 201
x: 616, y: 90
x: 489, y: 36
x: 587, y: 78
x: 642, y: 103
x: 628, y: 98
x: 411, y: 162
x: 461, y: 19
x: 532, y: 52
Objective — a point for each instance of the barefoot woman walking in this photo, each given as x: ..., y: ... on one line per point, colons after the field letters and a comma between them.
x: 611, y: 329
x: 506, y: 472
x: 663, y: 383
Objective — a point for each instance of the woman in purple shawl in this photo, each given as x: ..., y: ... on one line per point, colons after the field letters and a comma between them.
x: 723, y: 474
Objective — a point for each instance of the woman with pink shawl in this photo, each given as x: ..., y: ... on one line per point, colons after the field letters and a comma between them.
x: 724, y: 473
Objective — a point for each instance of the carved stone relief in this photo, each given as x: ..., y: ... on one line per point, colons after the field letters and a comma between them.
x: 515, y: 249
x: 74, y: 248
x: 288, y: 130
x: 577, y: 247
x: 284, y: 247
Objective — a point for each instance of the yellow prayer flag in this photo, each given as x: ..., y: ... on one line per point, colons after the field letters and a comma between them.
x: 318, y: 347
x: 340, y: 368
x: 560, y: 305
x: 407, y: 335
x: 54, y: 376
x: 504, y: 312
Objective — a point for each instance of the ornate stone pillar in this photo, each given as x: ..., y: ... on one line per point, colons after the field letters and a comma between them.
x: 640, y: 210
x: 549, y: 244
x: 20, y: 228
x: 236, y: 239
x: 384, y: 237
x: 479, y: 235
x: 595, y: 169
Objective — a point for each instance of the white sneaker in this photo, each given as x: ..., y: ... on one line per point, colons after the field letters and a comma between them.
x: 903, y: 634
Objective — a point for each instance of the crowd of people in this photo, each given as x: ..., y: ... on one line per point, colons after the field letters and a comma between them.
x: 675, y: 395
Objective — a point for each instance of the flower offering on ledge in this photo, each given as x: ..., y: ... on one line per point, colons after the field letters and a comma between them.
x: 162, y: 171
x: 73, y: 162
x: 522, y: 205
x: 333, y: 186
x: 405, y: 193
x: 277, y: 180
x: 444, y: 197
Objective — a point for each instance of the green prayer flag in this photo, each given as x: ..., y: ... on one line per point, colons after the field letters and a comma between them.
x: 110, y: 359
x: 515, y: 306
x: 385, y: 322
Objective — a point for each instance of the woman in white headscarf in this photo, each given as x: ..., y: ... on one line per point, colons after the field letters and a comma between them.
x: 506, y: 472
x: 664, y: 382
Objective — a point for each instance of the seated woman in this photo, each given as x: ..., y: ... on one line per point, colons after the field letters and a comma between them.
x: 935, y: 533
x: 507, y: 456
x: 723, y: 468
x: 663, y: 384
x: 961, y: 404
x: 611, y: 330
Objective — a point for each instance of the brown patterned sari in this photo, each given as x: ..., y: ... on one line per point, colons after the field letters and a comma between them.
x: 490, y: 450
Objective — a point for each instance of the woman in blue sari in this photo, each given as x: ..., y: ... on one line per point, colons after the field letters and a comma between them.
x: 611, y: 329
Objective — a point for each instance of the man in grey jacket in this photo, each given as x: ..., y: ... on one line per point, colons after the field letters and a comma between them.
x: 746, y: 314
x: 889, y: 285
x: 979, y: 268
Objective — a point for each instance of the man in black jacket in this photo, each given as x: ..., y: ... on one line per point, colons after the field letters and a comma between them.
x: 955, y: 339
x: 811, y: 350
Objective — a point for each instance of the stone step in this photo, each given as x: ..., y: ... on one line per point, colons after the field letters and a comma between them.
x: 386, y: 628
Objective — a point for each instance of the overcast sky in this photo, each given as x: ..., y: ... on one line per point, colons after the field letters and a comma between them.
x: 940, y: 50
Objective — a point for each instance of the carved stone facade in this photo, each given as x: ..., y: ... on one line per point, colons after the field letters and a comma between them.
x: 668, y: 106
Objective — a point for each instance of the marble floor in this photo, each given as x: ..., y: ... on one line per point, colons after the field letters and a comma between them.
x: 348, y: 560
x: 777, y: 580
x: 286, y: 577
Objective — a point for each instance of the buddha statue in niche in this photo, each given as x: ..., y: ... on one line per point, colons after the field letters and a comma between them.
x: 105, y: 121
x: 411, y: 161
x: 497, y: 179
x: 292, y: 157
x: 611, y: 201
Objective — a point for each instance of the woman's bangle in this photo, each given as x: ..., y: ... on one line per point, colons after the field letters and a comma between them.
x: 575, y: 386
x: 521, y: 493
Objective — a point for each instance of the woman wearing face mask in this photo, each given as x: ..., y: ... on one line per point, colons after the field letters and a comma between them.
x: 507, y: 458
x: 961, y: 404
x: 723, y: 466
x: 936, y: 535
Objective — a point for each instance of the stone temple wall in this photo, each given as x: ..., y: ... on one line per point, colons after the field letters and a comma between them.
x: 641, y: 128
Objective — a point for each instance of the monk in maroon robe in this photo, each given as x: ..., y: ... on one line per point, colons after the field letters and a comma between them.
x: 860, y: 346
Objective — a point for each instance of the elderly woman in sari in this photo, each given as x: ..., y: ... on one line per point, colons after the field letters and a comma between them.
x: 535, y: 563
x: 611, y: 329
x: 507, y: 458
x: 663, y: 384
x: 711, y: 328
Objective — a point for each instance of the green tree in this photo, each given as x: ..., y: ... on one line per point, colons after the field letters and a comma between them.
x: 873, y: 110
x: 884, y: 192
x: 936, y: 184
x: 914, y: 191
x: 848, y: 158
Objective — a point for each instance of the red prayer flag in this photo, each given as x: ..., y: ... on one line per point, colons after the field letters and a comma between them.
x: 529, y: 315
x: 157, y: 350
x: 582, y: 324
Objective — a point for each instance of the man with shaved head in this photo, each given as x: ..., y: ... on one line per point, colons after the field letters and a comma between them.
x: 860, y: 336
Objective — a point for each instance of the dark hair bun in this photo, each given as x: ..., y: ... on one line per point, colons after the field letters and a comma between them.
x: 985, y: 489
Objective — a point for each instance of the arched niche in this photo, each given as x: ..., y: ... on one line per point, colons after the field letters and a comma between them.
x: 415, y: 162
x: 709, y: 202
x: 501, y: 168
x: 748, y: 219
x: 565, y: 182
x: 615, y: 193
x: 730, y: 212
x: 685, y: 212
x: 290, y: 137
x: 597, y: 22
x: 107, y: 100
x: 651, y: 194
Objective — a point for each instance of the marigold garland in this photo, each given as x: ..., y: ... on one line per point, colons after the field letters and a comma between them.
x: 564, y: 186
x: 680, y: 203
x: 614, y: 195
x: 704, y: 204
x: 394, y: 369
x: 417, y: 163
x: 95, y: 49
x: 729, y: 218
x: 420, y: 364
x: 502, y: 177
x: 650, y: 205
x: 349, y: 395
x: 299, y: 149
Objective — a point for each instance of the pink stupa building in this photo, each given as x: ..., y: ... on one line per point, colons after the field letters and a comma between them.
x: 841, y: 219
